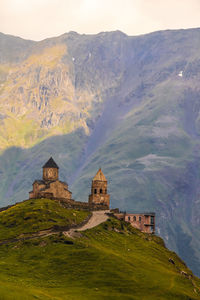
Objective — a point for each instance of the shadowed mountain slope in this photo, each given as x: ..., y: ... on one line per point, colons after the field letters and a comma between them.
x: 130, y: 105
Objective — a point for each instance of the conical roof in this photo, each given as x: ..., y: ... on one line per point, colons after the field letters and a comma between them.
x: 51, y: 164
x: 99, y: 176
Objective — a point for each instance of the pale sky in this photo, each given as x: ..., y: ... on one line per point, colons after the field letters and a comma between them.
x: 39, y: 19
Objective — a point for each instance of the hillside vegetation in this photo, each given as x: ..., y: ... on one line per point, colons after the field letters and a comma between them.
x: 38, y: 214
x: 110, y: 261
x: 130, y: 105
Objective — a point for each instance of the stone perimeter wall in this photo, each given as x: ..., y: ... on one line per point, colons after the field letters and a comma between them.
x: 81, y: 205
x: 67, y: 204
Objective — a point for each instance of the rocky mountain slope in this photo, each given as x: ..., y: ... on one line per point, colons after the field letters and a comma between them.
x: 128, y: 104
x: 110, y: 261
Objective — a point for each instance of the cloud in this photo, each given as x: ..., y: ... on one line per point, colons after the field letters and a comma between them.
x: 39, y: 19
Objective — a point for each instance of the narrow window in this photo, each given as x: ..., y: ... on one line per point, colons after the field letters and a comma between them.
x: 152, y: 220
x: 129, y: 218
x: 105, y: 191
x: 139, y: 219
x: 95, y: 191
x: 134, y: 218
x: 100, y: 191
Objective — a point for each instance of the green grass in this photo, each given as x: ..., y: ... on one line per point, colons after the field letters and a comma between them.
x: 37, y: 214
x: 111, y: 261
x: 156, y: 125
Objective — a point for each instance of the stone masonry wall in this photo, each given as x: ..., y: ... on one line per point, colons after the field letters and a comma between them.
x: 141, y: 221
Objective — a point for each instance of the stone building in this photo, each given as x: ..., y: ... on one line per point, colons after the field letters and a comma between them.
x: 99, y: 194
x: 142, y: 221
x: 50, y: 186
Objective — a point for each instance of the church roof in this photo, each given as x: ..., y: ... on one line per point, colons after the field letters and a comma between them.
x: 39, y: 182
x: 99, y: 176
x: 51, y: 164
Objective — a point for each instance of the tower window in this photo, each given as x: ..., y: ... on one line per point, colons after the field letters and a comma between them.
x: 139, y: 219
x: 95, y: 191
x: 134, y: 218
x: 101, y: 191
x: 105, y: 191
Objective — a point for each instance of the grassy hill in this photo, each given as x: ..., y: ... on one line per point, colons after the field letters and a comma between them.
x: 111, y: 261
x: 130, y: 105
x: 35, y: 215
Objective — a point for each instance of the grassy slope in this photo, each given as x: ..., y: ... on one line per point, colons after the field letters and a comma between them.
x: 111, y: 261
x: 35, y: 215
x: 150, y: 164
x: 145, y: 70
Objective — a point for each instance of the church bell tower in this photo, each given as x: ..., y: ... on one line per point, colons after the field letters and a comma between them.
x: 99, y: 194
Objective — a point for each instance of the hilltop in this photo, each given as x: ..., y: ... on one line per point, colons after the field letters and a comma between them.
x: 130, y: 105
x: 110, y: 261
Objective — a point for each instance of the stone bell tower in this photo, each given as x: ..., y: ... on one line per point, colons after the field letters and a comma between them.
x: 99, y: 194
x: 50, y: 170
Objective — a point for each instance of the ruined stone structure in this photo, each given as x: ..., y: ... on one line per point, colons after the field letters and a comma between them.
x: 142, y: 221
x: 50, y: 186
x: 99, y: 194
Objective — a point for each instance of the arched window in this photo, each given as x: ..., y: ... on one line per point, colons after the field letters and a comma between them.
x: 134, y: 218
x: 101, y: 191
x: 139, y: 219
x: 95, y: 191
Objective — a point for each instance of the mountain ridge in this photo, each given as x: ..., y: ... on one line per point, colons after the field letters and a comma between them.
x: 127, y: 104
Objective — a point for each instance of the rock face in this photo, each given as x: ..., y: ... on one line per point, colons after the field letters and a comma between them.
x: 128, y: 104
x: 38, y: 96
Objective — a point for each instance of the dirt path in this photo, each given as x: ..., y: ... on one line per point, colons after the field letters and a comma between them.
x: 97, y: 218
x: 28, y: 236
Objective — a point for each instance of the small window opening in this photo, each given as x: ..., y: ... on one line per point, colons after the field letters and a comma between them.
x: 101, y: 191
x: 95, y: 191
x: 134, y: 218
x: 139, y: 219
x: 129, y: 218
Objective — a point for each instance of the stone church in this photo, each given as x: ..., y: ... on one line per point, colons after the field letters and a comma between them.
x: 50, y: 186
